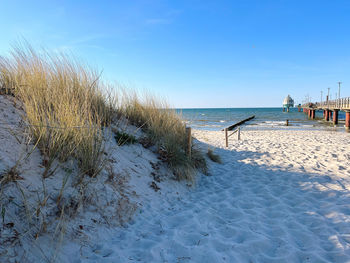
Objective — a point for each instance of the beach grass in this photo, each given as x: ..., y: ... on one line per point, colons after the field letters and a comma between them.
x: 164, y: 128
x: 65, y: 103
x: 67, y: 106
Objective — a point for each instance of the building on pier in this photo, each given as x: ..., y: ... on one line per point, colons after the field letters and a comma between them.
x: 288, y: 102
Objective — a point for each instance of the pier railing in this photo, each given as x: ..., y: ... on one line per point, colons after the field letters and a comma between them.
x: 340, y: 104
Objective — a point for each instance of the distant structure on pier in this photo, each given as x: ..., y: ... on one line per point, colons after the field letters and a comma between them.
x: 288, y: 102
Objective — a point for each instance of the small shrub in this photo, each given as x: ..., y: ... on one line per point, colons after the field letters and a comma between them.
x: 124, y: 138
x: 214, y: 157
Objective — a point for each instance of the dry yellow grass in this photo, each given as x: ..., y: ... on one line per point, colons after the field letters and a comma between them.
x: 67, y: 106
x: 64, y: 101
x: 165, y: 129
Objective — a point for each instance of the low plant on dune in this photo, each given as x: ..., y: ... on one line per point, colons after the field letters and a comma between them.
x: 123, y: 138
x: 214, y: 157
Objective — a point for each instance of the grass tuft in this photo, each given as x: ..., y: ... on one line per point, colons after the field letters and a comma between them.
x: 65, y: 103
x: 124, y: 138
x: 165, y: 129
x: 10, y: 175
x: 214, y: 157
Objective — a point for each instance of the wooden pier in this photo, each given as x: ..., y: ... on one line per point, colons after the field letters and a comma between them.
x: 330, y: 109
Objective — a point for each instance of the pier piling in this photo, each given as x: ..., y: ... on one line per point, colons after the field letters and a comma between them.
x: 312, y: 114
x: 330, y: 109
x: 335, y: 117
x: 326, y: 115
x: 347, y: 120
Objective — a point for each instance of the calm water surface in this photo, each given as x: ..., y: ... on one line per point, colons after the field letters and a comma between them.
x: 265, y: 118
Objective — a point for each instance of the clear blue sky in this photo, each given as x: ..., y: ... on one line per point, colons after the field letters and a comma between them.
x: 197, y: 53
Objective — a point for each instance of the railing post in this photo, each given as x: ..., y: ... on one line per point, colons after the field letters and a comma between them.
x: 226, y: 138
x: 189, y: 141
x: 239, y: 133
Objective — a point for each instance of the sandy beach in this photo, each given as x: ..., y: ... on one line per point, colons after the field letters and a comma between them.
x: 278, y: 196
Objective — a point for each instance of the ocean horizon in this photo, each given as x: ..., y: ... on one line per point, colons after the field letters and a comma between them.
x: 265, y: 118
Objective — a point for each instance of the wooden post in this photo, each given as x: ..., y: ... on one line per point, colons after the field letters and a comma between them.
x: 226, y: 137
x: 287, y: 122
x: 189, y: 141
x: 239, y: 133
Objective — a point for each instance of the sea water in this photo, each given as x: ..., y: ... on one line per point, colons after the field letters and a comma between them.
x: 265, y: 118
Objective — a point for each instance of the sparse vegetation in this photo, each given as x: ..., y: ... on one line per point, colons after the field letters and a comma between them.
x: 214, y: 157
x: 164, y: 128
x: 10, y: 175
x: 124, y: 138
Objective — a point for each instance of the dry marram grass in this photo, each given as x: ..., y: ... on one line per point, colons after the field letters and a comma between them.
x: 64, y: 101
x: 165, y: 129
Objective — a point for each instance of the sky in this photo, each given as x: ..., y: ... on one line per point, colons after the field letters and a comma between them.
x: 197, y: 53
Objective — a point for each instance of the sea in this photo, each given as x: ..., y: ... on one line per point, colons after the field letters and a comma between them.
x: 265, y: 118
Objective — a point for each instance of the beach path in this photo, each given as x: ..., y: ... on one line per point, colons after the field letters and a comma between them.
x: 279, y: 196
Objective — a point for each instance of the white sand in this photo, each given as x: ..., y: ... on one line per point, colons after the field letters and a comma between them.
x: 279, y: 196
